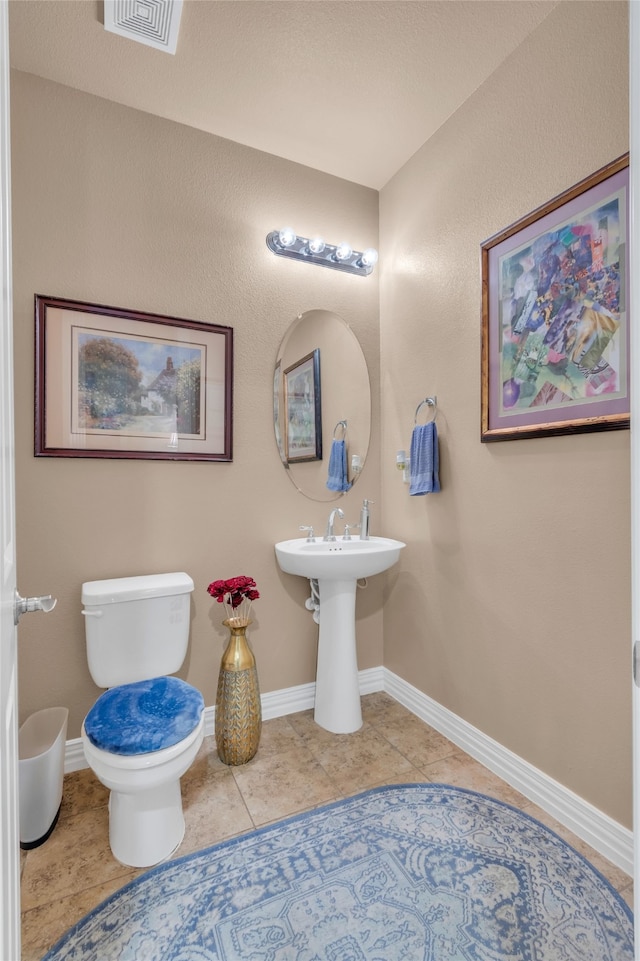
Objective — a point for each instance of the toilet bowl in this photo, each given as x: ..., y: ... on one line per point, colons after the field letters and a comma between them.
x: 144, y: 731
x: 146, y: 823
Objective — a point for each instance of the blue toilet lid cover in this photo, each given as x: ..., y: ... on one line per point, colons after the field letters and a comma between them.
x: 145, y: 716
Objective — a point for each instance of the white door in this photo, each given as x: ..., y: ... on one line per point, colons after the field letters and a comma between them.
x: 9, y: 834
x: 634, y: 310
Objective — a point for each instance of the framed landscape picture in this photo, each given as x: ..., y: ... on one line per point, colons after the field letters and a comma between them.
x: 555, y: 322
x: 126, y: 384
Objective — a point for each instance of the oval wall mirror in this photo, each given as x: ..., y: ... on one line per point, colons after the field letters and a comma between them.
x: 321, y: 392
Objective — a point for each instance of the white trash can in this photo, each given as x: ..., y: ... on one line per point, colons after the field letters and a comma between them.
x: 41, y: 747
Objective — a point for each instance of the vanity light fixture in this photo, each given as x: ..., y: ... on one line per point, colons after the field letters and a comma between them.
x: 286, y: 243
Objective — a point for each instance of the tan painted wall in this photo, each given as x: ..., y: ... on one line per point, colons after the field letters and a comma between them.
x: 512, y: 604
x: 112, y: 206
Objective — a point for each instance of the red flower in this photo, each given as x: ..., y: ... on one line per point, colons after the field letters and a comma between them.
x: 218, y: 589
x: 234, y: 592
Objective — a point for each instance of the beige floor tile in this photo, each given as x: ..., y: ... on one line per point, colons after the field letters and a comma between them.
x: 213, y: 811
x: 82, y: 791
x: 207, y: 763
x: 411, y: 776
x: 417, y: 741
x: 277, y: 785
x: 627, y: 894
x: 307, y: 729
x: 278, y: 735
x: 379, y: 709
x: 357, y: 761
x: 462, y: 771
x: 76, y: 857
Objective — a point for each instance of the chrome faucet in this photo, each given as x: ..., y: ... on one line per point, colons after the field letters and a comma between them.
x: 364, y: 520
x: 329, y: 535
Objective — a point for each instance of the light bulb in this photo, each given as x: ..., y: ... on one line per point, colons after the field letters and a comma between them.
x: 316, y: 245
x: 343, y: 251
x: 287, y: 237
x: 370, y: 257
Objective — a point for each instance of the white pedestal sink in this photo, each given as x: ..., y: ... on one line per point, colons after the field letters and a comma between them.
x: 337, y: 565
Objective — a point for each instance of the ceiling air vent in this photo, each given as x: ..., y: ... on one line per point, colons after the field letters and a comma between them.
x: 153, y: 22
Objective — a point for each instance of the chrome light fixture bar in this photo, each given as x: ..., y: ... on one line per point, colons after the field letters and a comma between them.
x: 286, y: 243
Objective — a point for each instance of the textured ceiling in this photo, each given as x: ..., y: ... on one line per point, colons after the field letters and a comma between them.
x: 351, y: 87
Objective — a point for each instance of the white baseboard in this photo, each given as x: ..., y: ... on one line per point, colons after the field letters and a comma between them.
x: 74, y: 759
x: 609, y: 838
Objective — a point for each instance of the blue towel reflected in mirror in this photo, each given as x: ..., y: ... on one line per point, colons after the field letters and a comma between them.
x: 338, y: 480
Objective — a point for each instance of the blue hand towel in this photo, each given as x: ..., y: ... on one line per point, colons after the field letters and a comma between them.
x: 337, y: 480
x: 424, y: 460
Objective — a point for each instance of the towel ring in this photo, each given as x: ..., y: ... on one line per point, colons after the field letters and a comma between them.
x: 343, y: 424
x: 430, y: 402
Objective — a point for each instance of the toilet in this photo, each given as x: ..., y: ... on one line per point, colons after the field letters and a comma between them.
x: 144, y: 732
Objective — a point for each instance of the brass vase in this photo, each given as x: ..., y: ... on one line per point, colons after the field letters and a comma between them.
x: 238, y: 708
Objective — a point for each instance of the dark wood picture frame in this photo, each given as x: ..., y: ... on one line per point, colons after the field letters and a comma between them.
x: 117, y: 383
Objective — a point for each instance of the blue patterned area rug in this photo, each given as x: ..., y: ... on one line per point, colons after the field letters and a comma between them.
x: 420, y: 872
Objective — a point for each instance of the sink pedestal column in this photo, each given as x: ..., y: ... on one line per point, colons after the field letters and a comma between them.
x: 337, y: 703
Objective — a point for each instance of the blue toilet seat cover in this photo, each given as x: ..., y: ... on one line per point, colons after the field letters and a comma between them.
x: 145, y: 716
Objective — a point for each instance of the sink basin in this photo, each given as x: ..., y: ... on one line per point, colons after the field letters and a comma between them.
x: 337, y: 566
x: 338, y: 560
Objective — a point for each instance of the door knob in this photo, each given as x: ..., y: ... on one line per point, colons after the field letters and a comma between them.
x: 25, y: 605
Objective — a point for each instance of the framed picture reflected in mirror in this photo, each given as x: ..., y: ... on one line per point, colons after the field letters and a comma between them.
x: 302, y: 399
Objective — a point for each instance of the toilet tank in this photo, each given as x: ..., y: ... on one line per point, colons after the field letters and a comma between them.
x: 136, y: 628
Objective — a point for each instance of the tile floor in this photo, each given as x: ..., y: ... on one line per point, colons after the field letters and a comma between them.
x: 298, y: 766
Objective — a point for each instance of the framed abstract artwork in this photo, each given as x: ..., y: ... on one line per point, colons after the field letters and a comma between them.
x: 555, y: 322
x: 125, y: 384
x: 303, y: 409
